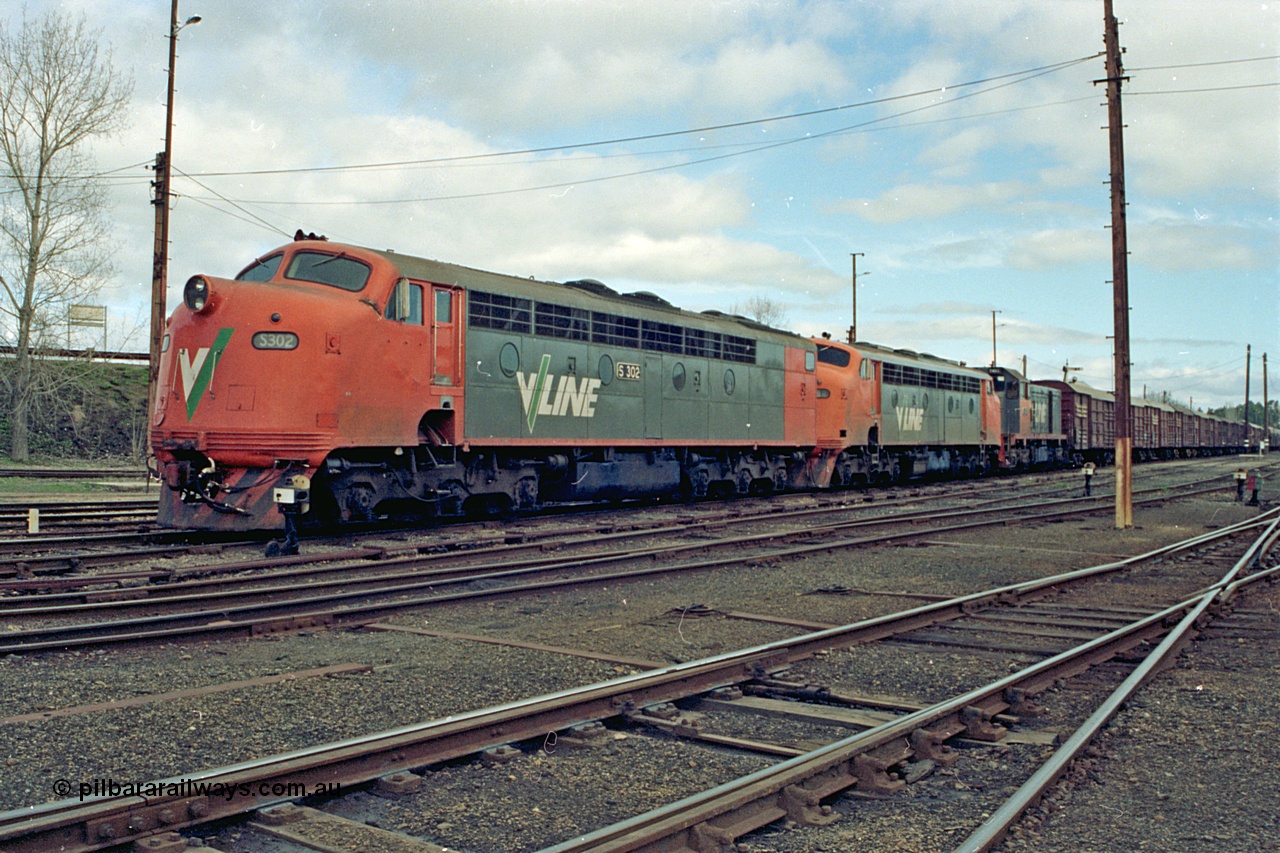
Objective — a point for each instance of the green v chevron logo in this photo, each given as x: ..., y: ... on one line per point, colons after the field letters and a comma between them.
x: 532, y: 391
x: 197, y: 371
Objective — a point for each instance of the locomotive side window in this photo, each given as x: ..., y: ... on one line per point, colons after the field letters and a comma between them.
x: 513, y: 314
x: 864, y: 369
x: 504, y: 313
x: 561, y: 321
x: 263, y: 270
x: 896, y: 374
x: 739, y: 349
x: 614, y: 330
x: 702, y: 344
x: 333, y: 270
x: 663, y: 337
x: 405, y: 304
x: 444, y: 306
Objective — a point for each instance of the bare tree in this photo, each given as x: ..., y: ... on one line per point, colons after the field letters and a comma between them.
x: 762, y: 309
x: 58, y: 90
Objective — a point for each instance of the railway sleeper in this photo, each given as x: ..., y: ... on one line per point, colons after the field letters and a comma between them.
x: 291, y: 623
x: 719, y: 834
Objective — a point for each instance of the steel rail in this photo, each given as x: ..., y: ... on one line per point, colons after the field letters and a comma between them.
x: 795, y: 788
x: 74, y: 473
x: 523, y: 540
x: 58, y: 562
x: 267, y: 617
x: 169, y: 592
x: 994, y: 829
x: 71, y: 825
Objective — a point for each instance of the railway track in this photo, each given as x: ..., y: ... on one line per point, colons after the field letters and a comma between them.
x: 342, y: 591
x: 41, y: 517
x: 876, y: 761
x: 44, y: 554
x: 75, y: 473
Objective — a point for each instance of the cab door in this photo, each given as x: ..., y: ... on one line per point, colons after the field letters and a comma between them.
x: 445, y: 335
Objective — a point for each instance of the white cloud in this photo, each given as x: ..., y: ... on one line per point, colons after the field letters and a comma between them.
x: 914, y: 202
x: 1056, y: 247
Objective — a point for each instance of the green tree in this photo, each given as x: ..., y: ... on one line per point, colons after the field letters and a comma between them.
x: 58, y: 91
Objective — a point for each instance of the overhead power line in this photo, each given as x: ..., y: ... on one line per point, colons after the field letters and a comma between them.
x: 810, y: 137
x: 1208, y: 89
x: 663, y: 134
x: 1203, y: 64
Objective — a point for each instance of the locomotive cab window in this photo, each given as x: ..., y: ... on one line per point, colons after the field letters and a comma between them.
x: 333, y: 270
x: 405, y: 304
x: 833, y: 355
x: 263, y: 270
x: 444, y: 306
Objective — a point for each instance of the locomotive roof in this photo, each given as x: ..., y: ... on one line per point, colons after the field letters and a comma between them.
x: 587, y: 293
x: 1088, y: 390
x: 910, y: 357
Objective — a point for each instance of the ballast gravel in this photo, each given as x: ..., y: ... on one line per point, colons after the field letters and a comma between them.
x: 1187, y: 767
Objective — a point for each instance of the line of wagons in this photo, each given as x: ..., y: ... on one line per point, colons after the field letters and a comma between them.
x: 334, y: 383
x: 1079, y: 425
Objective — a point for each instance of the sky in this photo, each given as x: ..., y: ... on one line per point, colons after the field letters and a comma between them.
x: 719, y: 151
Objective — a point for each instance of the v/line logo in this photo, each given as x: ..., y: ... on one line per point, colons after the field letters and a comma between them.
x: 197, y: 371
x: 570, y: 396
x: 910, y: 420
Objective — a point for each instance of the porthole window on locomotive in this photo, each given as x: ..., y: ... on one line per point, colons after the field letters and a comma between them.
x: 894, y: 399
x: 924, y: 401
x: 677, y: 376
x: 951, y: 404
x: 971, y: 407
x: 509, y: 359
x: 606, y: 370
x: 730, y: 381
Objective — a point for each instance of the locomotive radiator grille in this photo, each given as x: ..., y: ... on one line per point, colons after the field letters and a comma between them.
x: 281, y: 444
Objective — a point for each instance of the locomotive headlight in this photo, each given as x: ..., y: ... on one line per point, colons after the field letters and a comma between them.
x: 196, y: 293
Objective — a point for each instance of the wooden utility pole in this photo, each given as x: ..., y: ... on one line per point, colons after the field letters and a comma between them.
x: 1248, y: 362
x: 1119, y: 273
x: 160, y: 255
x: 853, y: 324
x: 993, y: 336
x: 1266, y: 416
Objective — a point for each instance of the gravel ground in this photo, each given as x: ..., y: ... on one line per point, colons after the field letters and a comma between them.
x: 541, y: 797
x: 1190, y: 764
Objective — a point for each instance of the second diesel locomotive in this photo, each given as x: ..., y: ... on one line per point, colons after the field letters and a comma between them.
x: 335, y: 383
